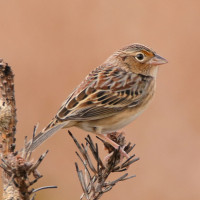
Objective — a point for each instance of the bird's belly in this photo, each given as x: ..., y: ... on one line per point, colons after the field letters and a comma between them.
x: 110, y: 124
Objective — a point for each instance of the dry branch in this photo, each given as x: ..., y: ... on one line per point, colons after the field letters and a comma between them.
x: 93, y: 178
x: 8, y: 119
x: 17, y: 167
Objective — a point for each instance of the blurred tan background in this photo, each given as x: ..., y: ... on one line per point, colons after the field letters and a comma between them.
x: 53, y: 45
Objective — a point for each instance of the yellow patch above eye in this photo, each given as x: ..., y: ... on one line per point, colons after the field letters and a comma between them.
x: 147, y: 53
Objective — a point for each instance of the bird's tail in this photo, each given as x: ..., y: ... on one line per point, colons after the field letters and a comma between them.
x: 47, y: 132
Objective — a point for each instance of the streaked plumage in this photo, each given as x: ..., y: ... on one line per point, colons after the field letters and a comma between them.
x: 111, y: 96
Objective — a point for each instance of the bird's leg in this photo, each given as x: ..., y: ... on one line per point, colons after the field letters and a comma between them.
x: 115, y: 145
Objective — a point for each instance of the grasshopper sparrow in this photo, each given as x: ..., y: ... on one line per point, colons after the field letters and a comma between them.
x: 111, y: 96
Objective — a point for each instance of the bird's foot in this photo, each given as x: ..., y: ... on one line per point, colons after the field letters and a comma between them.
x: 116, y: 140
x: 123, y: 154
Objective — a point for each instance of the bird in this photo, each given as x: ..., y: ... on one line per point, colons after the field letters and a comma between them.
x: 113, y: 95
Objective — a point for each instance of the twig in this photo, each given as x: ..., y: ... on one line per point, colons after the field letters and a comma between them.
x: 94, y: 183
x: 44, y: 188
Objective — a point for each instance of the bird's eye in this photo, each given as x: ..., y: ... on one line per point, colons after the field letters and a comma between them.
x: 140, y: 56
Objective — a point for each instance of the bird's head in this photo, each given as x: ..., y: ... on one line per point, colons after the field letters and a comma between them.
x: 138, y: 59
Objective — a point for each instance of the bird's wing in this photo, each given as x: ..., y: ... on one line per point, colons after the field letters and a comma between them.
x: 105, y: 92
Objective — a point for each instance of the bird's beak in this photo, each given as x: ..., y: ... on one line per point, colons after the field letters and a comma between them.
x: 157, y: 60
